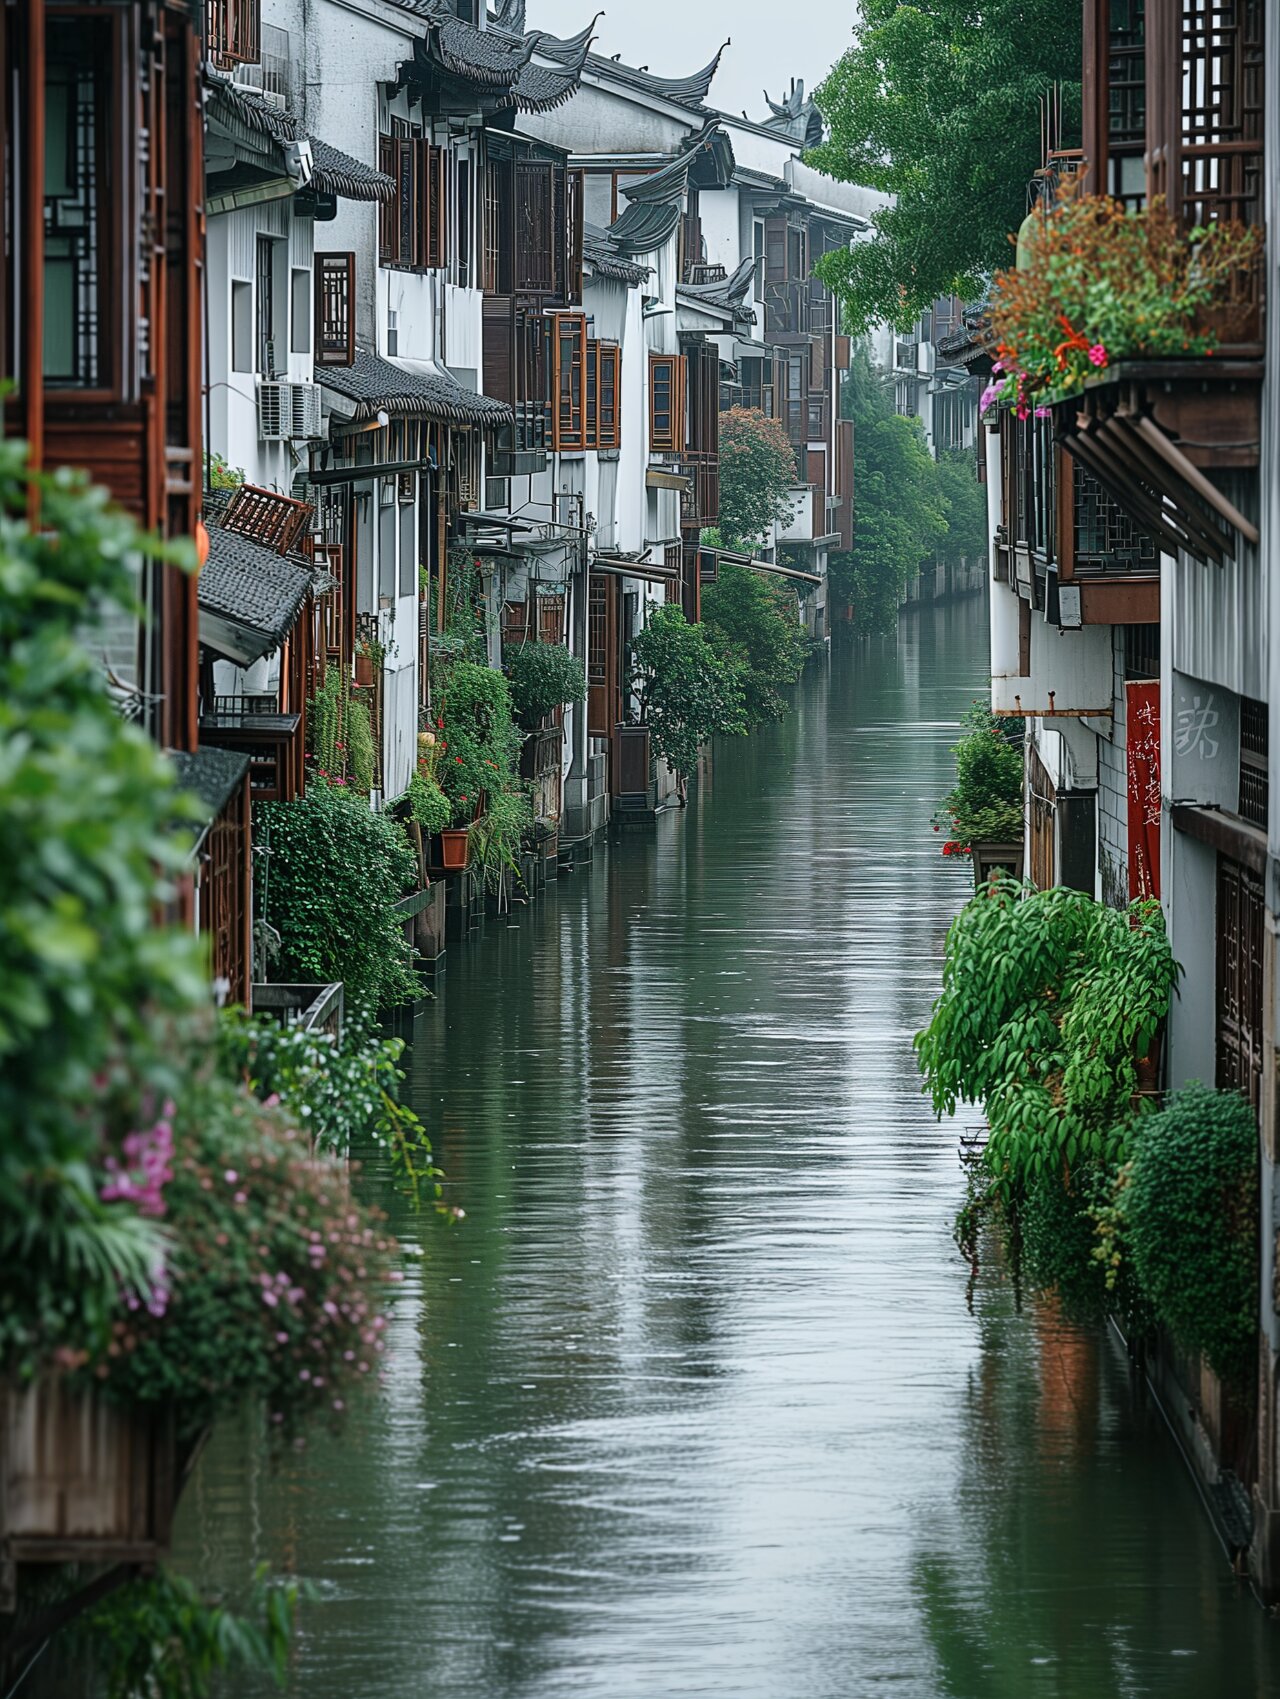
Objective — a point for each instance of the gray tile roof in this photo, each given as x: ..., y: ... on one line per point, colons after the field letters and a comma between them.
x: 337, y: 173
x: 691, y: 90
x: 607, y: 260
x: 211, y: 775
x: 499, y: 60
x: 252, y: 589
x: 376, y: 385
x: 644, y: 226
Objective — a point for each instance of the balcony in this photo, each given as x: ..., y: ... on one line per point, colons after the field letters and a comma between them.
x: 253, y: 726
x: 520, y: 448
x: 700, y: 504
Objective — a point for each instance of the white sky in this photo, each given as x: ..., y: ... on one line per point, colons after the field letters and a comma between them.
x: 773, y: 40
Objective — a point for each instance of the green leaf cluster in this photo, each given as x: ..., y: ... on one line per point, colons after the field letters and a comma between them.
x: 92, y: 988
x: 1049, y: 1000
x: 751, y: 622
x: 757, y: 475
x: 1189, y: 1208
x: 344, y: 1092
x: 158, y: 1638
x: 939, y: 106
x: 333, y: 873
x: 687, y: 691
x: 985, y: 803
x: 478, y: 743
x: 544, y: 676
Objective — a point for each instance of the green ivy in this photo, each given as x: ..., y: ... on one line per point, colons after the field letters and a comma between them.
x: 1190, y: 1222
x: 479, y: 743
x: 362, y: 754
x: 334, y: 872
x: 428, y: 804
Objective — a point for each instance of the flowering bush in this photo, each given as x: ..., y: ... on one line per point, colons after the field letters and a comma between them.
x: 272, y: 1278
x: 1107, y: 284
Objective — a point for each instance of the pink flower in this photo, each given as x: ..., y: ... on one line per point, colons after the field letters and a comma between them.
x: 1098, y: 354
x: 1042, y: 412
x: 989, y: 397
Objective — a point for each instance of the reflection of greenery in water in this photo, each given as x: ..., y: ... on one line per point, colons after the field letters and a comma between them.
x: 1074, y: 1561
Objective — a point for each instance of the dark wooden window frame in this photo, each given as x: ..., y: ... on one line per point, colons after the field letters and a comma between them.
x: 335, y: 309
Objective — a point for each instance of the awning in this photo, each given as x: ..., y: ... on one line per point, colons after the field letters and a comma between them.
x: 727, y: 557
x: 656, y: 479
x: 653, y: 572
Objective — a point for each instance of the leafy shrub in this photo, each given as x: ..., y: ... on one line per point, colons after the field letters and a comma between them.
x: 362, y: 753
x: 496, y: 838
x: 687, y: 691
x: 751, y: 623
x: 271, y: 1277
x: 1190, y: 1211
x: 428, y: 804
x: 342, y: 1092
x: 334, y: 873
x: 1049, y: 999
x: 92, y: 990
x: 544, y: 676
x: 157, y: 1636
x: 985, y: 803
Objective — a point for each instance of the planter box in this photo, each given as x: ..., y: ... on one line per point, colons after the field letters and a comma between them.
x: 989, y: 858
x: 455, y: 849
x: 83, y: 1480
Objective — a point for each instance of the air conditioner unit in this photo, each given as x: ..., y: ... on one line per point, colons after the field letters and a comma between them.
x: 288, y: 412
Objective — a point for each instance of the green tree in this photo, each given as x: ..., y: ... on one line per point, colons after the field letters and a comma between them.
x: 965, y: 501
x: 687, y: 691
x: 751, y: 622
x: 757, y: 473
x: 939, y: 105
x: 899, y: 507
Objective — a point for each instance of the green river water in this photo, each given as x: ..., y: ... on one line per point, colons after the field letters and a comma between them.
x: 691, y: 1402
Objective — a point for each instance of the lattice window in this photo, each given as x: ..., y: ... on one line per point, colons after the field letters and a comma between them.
x: 1240, y: 979
x: 551, y: 619
x: 598, y: 630
x: 412, y: 226
x: 568, y: 332
x: 1127, y: 100
x: 1219, y: 92
x: 233, y: 31
x: 610, y: 423
x: 1255, y: 745
x: 78, y: 214
x: 666, y: 403
x: 591, y: 437
x: 277, y: 522
x: 1106, y: 539
x: 335, y: 314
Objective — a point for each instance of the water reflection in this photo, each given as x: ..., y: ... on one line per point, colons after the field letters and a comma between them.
x: 691, y: 1403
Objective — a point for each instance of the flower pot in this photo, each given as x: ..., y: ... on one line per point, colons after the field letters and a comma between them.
x: 364, y: 670
x: 455, y: 849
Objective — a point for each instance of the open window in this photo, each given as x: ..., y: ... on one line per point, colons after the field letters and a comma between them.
x: 666, y: 403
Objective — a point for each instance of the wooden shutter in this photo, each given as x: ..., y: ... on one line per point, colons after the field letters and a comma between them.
x: 775, y: 250
x: 233, y: 31
x: 408, y: 213
x: 569, y: 374
x: 435, y: 246
x: 387, y: 210
x: 591, y: 410
x: 1241, y: 925
x: 499, y: 348
x: 602, y: 654
x: 535, y: 249
x: 610, y: 395
x: 666, y: 403
x: 335, y: 309
x: 576, y: 200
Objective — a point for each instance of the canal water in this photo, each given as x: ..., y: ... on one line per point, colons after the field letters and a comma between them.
x: 691, y: 1402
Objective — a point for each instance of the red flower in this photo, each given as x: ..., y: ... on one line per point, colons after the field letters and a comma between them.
x: 458, y: 759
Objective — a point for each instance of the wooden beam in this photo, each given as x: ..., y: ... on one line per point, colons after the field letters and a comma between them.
x: 1207, y: 491
x: 1226, y: 833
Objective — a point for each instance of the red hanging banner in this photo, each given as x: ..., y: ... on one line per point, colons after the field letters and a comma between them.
x: 1144, y: 789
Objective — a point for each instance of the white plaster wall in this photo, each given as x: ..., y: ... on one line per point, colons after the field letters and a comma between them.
x: 603, y: 118
x: 720, y: 212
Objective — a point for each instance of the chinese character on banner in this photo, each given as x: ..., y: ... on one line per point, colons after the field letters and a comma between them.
x: 1144, y: 789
